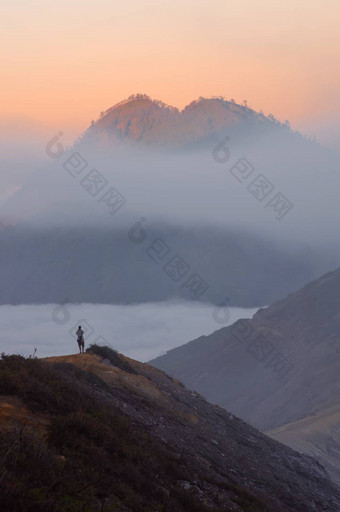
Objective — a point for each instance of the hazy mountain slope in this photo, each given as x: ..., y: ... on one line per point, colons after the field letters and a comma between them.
x: 122, y: 435
x: 105, y: 265
x: 276, y: 368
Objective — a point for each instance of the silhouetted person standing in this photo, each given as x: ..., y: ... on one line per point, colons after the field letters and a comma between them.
x: 80, y: 339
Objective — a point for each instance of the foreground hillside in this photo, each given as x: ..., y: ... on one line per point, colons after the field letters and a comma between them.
x: 87, y: 433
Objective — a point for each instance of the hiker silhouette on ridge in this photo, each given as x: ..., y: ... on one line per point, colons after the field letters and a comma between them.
x: 80, y: 339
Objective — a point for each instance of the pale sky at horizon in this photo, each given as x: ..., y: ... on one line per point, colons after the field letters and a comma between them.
x: 62, y: 63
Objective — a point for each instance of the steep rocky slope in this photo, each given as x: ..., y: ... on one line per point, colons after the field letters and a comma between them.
x: 115, y: 434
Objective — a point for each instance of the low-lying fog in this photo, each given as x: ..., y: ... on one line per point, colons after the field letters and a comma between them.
x: 142, y: 331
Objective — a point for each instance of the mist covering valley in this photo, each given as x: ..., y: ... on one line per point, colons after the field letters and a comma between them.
x: 199, y: 186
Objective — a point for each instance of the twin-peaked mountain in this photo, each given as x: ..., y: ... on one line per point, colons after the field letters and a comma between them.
x: 139, y: 119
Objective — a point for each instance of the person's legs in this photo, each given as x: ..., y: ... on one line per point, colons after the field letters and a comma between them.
x: 83, y: 346
x: 79, y: 345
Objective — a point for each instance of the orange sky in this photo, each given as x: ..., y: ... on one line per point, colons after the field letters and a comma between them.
x: 63, y: 62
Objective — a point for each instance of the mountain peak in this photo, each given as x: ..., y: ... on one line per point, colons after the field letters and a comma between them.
x: 136, y: 102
